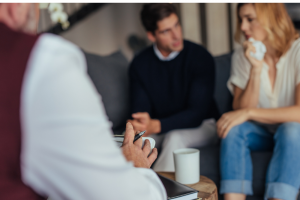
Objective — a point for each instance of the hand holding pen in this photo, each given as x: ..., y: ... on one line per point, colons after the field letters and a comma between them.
x: 137, y: 136
x: 133, y: 150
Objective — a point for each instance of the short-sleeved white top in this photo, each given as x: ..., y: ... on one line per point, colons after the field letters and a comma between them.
x: 287, y: 77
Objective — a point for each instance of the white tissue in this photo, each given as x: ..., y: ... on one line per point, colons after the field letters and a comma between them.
x: 260, y: 49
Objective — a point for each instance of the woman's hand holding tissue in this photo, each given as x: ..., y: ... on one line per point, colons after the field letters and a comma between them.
x: 254, y: 52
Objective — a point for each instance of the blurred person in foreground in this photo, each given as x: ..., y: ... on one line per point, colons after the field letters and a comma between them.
x: 172, y: 86
x: 266, y: 105
x: 55, y: 139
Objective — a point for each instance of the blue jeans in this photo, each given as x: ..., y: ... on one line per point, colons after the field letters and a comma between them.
x: 283, y: 175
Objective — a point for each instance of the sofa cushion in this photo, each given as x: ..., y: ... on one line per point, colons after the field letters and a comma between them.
x: 222, y: 95
x: 109, y: 75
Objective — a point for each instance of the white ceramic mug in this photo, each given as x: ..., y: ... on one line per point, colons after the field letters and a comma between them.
x: 187, y: 165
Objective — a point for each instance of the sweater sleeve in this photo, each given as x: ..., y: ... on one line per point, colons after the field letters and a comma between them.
x: 200, y: 97
x: 139, y: 99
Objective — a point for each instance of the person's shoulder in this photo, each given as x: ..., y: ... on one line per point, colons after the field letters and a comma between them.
x: 197, y: 51
x: 296, y: 42
x: 199, y: 59
x: 238, y: 54
x: 55, y: 47
x: 295, y: 47
x: 191, y: 45
x: 144, y: 54
x: 54, y: 43
x: 239, y: 60
x: 143, y: 57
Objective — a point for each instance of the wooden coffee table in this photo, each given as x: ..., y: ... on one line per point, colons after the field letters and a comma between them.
x: 206, y: 187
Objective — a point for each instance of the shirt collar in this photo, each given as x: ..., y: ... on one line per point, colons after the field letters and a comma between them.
x: 171, y: 56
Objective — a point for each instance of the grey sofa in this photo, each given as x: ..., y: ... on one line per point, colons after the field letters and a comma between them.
x: 109, y: 75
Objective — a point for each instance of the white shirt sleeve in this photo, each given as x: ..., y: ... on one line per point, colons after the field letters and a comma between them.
x: 68, y: 150
x: 297, y: 60
x: 240, y: 70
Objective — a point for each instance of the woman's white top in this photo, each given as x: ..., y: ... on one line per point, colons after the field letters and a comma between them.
x: 287, y: 77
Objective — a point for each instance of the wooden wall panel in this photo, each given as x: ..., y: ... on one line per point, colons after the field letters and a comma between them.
x: 217, y: 28
x: 190, y: 20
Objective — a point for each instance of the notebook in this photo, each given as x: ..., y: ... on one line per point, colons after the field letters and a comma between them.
x: 119, y: 140
x: 178, y: 191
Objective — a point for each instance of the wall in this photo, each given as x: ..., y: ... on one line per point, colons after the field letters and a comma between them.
x: 107, y: 30
x: 217, y: 28
x: 190, y: 20
x: 234, y: 21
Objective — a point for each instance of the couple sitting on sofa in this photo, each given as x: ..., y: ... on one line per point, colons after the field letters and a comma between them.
x: 172, y: 84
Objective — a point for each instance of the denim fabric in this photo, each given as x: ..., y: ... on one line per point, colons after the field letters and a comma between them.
x: 283, y: 176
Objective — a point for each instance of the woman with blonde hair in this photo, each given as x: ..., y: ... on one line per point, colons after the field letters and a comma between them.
x: 266, y: 104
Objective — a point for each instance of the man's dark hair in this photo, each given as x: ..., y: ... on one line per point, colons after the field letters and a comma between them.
x: 154, y: 12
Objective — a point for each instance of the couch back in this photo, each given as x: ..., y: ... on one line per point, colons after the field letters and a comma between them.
x: 222, y: 95
x: 110, y: 76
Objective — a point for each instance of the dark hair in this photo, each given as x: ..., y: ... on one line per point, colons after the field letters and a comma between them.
x: 154, y: 12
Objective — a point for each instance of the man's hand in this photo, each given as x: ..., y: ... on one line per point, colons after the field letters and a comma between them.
x: 231, y: 119
x: 134, y: 152
x: 142, y: 121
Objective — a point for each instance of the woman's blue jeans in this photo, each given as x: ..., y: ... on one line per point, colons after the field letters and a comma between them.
x: 283, y: 175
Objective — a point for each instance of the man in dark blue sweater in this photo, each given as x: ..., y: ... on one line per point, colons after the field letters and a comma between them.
x: 172, y: 85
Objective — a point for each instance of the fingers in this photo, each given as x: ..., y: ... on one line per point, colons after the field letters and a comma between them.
x: 147, y: 147
x: 137, y: 125
x: 248, y: 47
x: 139, y: 115
x: 245, y: 44
x: 222, y: 124
x: 146, y: 134
x: 152, y: 157
x: 225, y: 128
x: 225, y: 132
x: 142, y: 117
x: 225, y: 123
x: 139, y: 142
x: 222, y: 128
x: 222, y: 131
x: 219, y: 131
x: 129, y: 133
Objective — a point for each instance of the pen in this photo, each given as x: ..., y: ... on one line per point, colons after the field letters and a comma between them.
x: 136, y: 137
